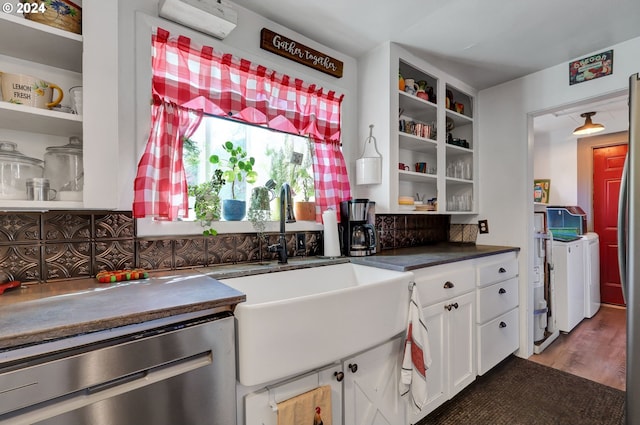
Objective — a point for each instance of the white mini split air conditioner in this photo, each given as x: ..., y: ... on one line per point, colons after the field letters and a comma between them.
x: 207, y: 16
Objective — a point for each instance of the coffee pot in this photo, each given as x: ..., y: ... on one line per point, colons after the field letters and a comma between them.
x: 357, y: 236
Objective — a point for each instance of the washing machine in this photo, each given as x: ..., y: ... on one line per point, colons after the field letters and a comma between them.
x: 591, y: 250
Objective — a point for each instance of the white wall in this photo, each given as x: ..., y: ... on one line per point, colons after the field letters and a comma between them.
x: 243, y: 41
x: 506, y: 172
x: 555, y: 157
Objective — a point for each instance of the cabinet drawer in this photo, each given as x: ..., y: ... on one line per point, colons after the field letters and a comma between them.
x: 497, y: 339
x: 497, y: 299
x: 498, y: 268
x: 442, y: 282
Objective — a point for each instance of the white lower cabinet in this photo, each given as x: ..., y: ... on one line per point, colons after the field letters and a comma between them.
x: 370, y: 390
x: 497, y: 339
x: 498, y: 314
x: 452, y: 340
x: 451, y: 329
x: 364, y: 390
x: 471, y: 312
x: 260, y: 403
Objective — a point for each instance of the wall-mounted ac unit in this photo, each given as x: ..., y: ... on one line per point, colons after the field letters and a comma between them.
x: 207, y: 16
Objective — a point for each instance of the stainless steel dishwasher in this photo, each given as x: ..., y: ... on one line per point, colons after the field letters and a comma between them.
x: 178, y: 374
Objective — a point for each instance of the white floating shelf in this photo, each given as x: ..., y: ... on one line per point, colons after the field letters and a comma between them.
x: 35, y: 120
x: 40, y: 43
x: 416, y: 143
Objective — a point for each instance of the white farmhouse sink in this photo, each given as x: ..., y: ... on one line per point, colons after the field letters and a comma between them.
x: 297, y: 320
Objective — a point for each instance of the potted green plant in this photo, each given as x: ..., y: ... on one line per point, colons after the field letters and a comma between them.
x: 288, y: 165
x: 279, y: 173
x: 207, y: 201
x: 305, y: 209
x: 238, y: 167
x: 259, y: 208
x: 303, y: 185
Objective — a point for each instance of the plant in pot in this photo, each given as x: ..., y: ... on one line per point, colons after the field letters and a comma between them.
x: 259, y: 208
x: 238, y: 167
x: 207, y: 201
x: 305, y: 209
x: 279, y: 173
x: 303, y: 185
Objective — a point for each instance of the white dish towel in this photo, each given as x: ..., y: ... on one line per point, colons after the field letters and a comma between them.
x: 417, y: 355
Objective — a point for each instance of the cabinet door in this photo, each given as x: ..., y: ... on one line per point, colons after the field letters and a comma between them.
x: 259, y: 405
x: 371, y: 395
x: 462, y: 363
x: 435, y: 317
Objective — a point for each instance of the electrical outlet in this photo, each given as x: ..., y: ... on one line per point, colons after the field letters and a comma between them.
x: 483, y: 226
x: 301, y: 243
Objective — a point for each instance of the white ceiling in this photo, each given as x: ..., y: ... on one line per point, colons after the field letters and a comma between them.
x: 612, y: 113
x: 481, y: 42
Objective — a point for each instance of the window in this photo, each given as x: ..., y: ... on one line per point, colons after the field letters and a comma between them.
x: 191, y: 86
x: 280, y: 157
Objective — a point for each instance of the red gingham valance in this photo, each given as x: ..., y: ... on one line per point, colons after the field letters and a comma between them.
x: 199, y: 79
x: 223, y: 85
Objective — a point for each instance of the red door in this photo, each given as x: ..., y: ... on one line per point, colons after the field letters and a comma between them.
x: 607, y: 171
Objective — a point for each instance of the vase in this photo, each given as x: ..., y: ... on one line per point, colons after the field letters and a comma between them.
x: 275, y: 208
x: 233, y: 209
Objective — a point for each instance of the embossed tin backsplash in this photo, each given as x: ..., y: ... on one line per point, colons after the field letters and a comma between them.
x: 54, y: 246
x: 36, y: 247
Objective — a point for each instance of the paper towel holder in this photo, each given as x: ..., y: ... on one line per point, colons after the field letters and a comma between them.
x: 369, y: 165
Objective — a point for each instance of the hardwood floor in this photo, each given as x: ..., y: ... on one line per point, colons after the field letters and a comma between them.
x: 595, y: 349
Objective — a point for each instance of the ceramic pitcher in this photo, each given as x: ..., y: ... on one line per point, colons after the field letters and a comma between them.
x: 410, y: 86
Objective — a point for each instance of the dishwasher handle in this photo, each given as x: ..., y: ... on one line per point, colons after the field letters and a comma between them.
x: 116, y: 382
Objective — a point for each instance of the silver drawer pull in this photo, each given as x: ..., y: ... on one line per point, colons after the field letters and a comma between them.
x: 448, y: 285
x: 503, y: 325
x: 502, y: 270
x: 502, y: 291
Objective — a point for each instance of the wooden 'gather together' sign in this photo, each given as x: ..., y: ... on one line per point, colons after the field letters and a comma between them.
x: 300, y: 53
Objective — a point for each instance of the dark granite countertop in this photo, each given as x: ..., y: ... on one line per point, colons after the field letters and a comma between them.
x: 39, y: 313
x: 407, y: 259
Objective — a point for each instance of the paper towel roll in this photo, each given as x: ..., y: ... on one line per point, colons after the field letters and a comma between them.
x: 331, y: 241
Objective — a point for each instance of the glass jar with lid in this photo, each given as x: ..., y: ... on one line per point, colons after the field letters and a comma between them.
x: 15, y: 169
x: 63, y: 166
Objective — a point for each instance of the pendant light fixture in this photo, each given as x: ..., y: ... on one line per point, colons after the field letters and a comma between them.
x: 589, y: 127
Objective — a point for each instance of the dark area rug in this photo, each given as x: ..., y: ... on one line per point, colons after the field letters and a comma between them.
x: 519, y: 391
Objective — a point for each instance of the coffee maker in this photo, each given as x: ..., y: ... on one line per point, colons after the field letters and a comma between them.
x: 357, y: 232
